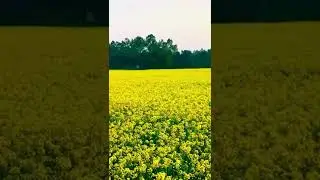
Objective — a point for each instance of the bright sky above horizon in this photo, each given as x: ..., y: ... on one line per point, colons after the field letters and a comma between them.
x: 186, y: 22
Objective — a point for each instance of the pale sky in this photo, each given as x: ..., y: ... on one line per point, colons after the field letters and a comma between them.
x: 186, y: 22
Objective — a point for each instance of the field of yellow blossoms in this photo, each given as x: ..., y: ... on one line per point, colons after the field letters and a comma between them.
x: 160, y: 124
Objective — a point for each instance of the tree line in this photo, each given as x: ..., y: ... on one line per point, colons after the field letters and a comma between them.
x: 74, y: 13
x: 54, y: 12
x: 264, y: 11
x: 150, y: 53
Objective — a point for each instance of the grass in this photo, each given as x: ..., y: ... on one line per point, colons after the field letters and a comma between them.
x: 160, y: 124
x: 266, y: 97
x: 52, y: 103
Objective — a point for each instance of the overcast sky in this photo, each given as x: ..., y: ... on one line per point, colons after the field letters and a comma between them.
x: 186, y: 22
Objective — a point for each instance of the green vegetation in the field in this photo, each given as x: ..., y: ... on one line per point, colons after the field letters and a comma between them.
x: 160, y: 124
x: 52, y: 103
x: 266, y: 90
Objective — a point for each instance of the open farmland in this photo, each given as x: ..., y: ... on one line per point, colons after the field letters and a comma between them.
x: 266, y: 87
x: 52, y: 103
x: 160, y: 124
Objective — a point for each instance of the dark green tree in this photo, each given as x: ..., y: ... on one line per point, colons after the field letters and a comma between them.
x: 150, y: 53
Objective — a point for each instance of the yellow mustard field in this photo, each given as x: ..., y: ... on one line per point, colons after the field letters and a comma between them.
x: 160, y: 124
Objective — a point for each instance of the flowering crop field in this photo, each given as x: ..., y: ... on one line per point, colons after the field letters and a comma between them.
x: 53, y: 84
x: 160, y: 124
x: 267, y: 103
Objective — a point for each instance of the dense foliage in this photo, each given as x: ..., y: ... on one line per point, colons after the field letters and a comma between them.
x: 148, y: 53
x: 266, y: 94
x: 52, y: 104
x: 264, y: 11
x: 54, y: 12
x: 160, y: 124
